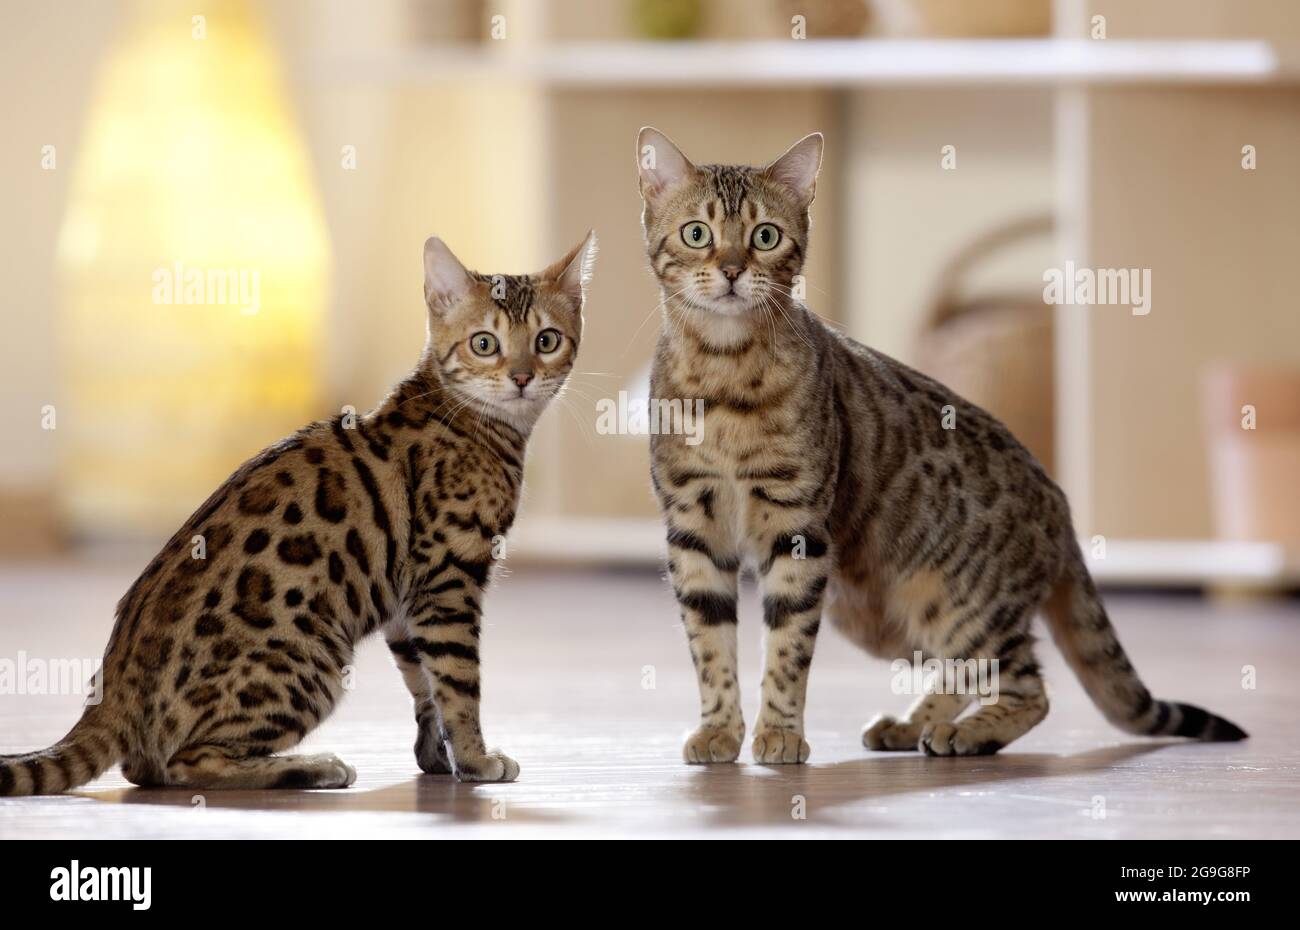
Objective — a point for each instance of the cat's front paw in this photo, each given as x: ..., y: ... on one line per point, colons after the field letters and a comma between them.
x: 887, y: 733
x: 780, y: 747
x: 493, y: 765
x: 431, y: 754
x: 710, y: 744
x: 325, y: 770
x: 955, y: 739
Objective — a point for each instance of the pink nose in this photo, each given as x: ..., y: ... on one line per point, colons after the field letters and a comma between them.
x: 521, y: 378
x: 732, y: 272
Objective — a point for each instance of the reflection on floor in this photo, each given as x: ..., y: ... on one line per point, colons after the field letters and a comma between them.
x: 589, y: 686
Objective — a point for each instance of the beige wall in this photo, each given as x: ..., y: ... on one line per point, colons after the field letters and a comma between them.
x: 1195, y: 19
x: 1169, y: 194
x: 48, y: 53
x: 1166, y: 191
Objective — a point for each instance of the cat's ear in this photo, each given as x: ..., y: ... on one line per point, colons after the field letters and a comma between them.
x: 797, y: 168
x: 661, y: 164
x: 573, y: 272
x: 445, y: 279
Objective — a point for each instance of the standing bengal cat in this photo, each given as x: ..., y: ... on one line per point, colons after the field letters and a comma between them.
x: 827, y: 466
x: 389, y: 523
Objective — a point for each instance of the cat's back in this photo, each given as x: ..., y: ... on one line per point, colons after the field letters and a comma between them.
x: 901, y: 398
x: 287, y: 507
x: 920, y: 451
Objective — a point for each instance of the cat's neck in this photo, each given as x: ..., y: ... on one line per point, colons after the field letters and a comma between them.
x: 423, y: 398
x: 778, y: 329
x: 415, y: 399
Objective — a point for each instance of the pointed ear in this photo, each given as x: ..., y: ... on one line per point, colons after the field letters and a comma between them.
x: 661, y: 164
x: 573, y: 272
x: 797, y: 168
x: 445, y: 279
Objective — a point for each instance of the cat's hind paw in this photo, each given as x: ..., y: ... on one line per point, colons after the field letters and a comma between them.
x: 888, y: 734
x: 955, y: 739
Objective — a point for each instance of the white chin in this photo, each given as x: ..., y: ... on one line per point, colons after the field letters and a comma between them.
x: 516, y: 406
x: 729, y: 305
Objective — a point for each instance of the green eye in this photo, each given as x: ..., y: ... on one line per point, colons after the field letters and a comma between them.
x: 765, y: 237
x: 548, y: 340
x: 697, y: 235
x: 483, y: 344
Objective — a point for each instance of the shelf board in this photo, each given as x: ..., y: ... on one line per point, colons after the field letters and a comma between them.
x: 832, y: 63
x: 1193, y: 562
x: 1128, y: 563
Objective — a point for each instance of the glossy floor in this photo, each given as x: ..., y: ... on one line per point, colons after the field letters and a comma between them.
x: 589, y: 686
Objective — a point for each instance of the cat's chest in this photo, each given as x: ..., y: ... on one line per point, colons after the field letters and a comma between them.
x: 466, y: 491
x: 725, y: 477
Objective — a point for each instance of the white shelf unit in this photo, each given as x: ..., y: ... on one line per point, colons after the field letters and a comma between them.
x: 835, y: 63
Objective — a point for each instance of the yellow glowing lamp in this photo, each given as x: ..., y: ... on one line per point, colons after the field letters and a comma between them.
x: 195, y: 265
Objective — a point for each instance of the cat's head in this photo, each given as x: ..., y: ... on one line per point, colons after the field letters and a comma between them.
x: 507, y: 342
x: 727, y: 239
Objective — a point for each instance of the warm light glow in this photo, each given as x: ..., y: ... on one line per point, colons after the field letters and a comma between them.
x: 195, y: 262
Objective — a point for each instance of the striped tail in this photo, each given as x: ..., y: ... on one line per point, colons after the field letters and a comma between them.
x: 1082, y: 632
x: 87, y: 751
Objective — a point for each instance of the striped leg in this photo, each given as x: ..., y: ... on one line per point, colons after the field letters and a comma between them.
x: 430, y: 751
x: 444, y: 632
x: 705, y: 585
x: 999, y: 631
x: 1021, y: 704
x: 793, y: 580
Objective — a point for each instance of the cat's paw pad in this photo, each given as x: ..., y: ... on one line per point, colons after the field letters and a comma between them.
x: 885, y: 733
x: 431, y: 754
x: 780, y: 747
x: 708, y: 744
x: 953, y: 739
x: 493, y: 765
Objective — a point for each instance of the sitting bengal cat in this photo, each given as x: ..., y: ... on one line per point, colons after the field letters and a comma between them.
x: 232, y: 645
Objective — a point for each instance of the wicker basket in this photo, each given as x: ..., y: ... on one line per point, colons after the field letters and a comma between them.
x: 996, y: 350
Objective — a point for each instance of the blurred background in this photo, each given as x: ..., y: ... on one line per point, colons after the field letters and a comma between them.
x: 304, y: 150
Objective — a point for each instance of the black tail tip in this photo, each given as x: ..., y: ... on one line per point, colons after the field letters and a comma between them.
x: 1196, y: 723
x: 1223, y: 731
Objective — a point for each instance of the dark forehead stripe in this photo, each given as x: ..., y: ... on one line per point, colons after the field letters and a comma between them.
x: 731, y: 184
x: 518, y: 297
